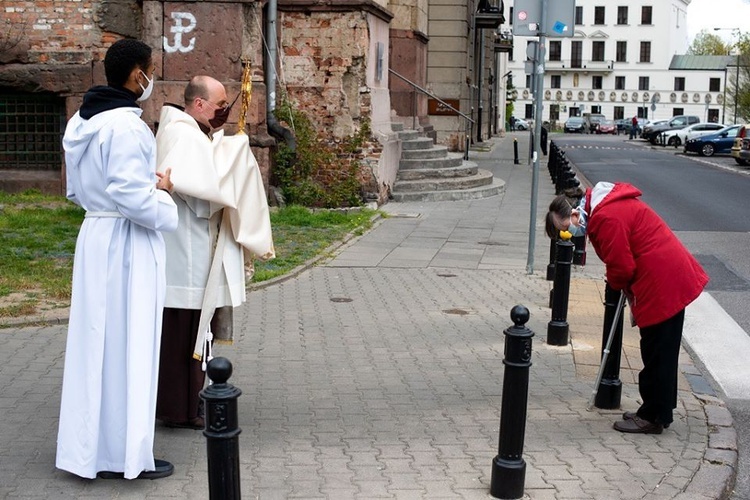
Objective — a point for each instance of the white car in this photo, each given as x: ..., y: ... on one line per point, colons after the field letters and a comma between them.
x: 521, y: 124
x: 681, y: 136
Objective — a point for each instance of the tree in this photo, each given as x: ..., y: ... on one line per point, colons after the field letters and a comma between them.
x: 738, y: 86
x: 708, y: 44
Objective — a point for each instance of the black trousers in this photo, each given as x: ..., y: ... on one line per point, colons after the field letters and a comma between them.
x: 657, y: 382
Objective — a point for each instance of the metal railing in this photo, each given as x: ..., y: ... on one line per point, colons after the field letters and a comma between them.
x: 468, y: 120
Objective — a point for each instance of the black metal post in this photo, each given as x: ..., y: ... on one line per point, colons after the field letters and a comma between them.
x: 509, y: 467
x: 515, y: 151
x: 222, y: 432
x: 579, y: 253
x: 551, y: 265
x: 609, y: 393
x: 557, y: 328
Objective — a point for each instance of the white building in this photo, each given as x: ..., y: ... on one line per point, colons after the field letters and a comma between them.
x: 625, y: 59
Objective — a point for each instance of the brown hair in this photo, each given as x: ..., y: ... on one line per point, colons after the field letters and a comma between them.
x: 560, y: 206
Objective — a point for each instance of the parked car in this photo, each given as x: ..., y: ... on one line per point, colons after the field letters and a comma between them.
x: 679, y: 136
x: 744, y: 155
x: 652, y: 131
x: 711, y: 144
x: 739, y: 146
x: 574, y: 124
x: 522, y: 124
x: 606, y: 127
x: 592, y: 121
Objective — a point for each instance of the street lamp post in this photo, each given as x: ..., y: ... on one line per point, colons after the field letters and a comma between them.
x: 736, y: 69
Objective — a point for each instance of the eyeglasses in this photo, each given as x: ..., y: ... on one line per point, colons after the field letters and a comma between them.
x: 224, y: 106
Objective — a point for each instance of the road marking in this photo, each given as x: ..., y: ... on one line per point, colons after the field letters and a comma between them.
x: 720, y: 343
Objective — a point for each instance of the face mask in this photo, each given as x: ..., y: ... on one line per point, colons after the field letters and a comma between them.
x: 576, y: 230
x: 146, y: 91
x: 220, y: 117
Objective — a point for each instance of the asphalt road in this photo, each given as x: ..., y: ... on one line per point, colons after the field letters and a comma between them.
x: 705, y: 201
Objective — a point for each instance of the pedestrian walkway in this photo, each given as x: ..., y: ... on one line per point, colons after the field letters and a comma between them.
x: 378, y: 374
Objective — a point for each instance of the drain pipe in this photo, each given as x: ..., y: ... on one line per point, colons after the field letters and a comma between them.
x: 269, y: 61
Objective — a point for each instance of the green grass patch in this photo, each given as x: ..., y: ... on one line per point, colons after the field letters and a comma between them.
x: 300, y: 234
x: 38, y: 236
x: 37, y: 240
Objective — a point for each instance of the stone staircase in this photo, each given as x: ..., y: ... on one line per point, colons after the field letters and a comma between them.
x: 428, y: 172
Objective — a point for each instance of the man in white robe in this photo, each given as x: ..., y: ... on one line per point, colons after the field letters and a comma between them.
x: 205, y: 257
x: 112, y: 356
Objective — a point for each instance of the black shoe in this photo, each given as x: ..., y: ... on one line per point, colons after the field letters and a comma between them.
x: 628, y: 415
x: 637, y: 425
x: 162, y: 468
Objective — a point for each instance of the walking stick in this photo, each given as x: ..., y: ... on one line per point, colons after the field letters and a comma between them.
x: 620, y: 307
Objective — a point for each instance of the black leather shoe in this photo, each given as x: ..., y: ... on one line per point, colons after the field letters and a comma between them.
x: 162, y: 468
x: 628, y: 415
x: 637, y: 425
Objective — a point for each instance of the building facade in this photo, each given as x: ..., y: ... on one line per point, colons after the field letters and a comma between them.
x: 624, y: 60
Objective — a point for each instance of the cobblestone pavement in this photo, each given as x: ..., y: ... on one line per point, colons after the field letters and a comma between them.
x: 378, y: 374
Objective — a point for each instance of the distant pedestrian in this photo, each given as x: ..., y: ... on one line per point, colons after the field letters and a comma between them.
x: 544, y: 138
x: 633, y: 127
x: 659, y: 277
x: 512, y: 123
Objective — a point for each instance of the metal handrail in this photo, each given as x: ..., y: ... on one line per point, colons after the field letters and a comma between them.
x: 469, y: 120
x: 427, y: 92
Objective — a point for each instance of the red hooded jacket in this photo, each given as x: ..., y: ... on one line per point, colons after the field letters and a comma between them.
x: 642, y: 255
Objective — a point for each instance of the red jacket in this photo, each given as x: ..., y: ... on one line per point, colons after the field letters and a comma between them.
x: 642, y: 255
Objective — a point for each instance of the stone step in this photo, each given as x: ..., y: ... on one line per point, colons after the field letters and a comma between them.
x: 468, y: 168
x: 481, y: 178
x: 419, y: 154
x: 408, y: 135
x: 397, y: 126
x: 496, y: 187
x: 420, y: 143
x: 452, y: 160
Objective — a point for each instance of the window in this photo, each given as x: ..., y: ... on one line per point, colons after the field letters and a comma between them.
x: 31, y: 126
x: 679, y: 83
x: 554, y: 112
x: 714, y: 84
x: 576, y: 54
x: 579, y: 15
x: 713, y: 115
x: 645, y: 52
x: 642, y: 83
x: 678, y: 111
x: 622, y: 52
x: 597, y: 51
x: 555, y: 81
x: 597, y: 110
x: 528, y: 81
x: 646, y: 14
x: 619, y: 83
x: 619, y: 112
x: 622, y: 15
x: 529, y: 112
x: 598, y: 15
x: 555, y: 51
x: 596, y: 82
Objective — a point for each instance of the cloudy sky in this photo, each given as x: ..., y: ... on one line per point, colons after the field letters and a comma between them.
x: 709, y: 14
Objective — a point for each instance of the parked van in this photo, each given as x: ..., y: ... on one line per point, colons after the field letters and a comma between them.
x: 591, y: 121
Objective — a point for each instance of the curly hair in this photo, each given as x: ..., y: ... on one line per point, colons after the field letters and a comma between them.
x: 122, y: 57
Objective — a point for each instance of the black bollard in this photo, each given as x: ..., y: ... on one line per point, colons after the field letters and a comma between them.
x: 551, y: 265
x: 579, y: 252
x: 609, y: 393
x: 222, y: 432
x: 515, y: 151
x: 557, y: 328
x: 509, y: 467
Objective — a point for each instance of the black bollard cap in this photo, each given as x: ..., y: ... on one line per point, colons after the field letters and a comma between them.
x: 520, y: 315
x: 219, y: 370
